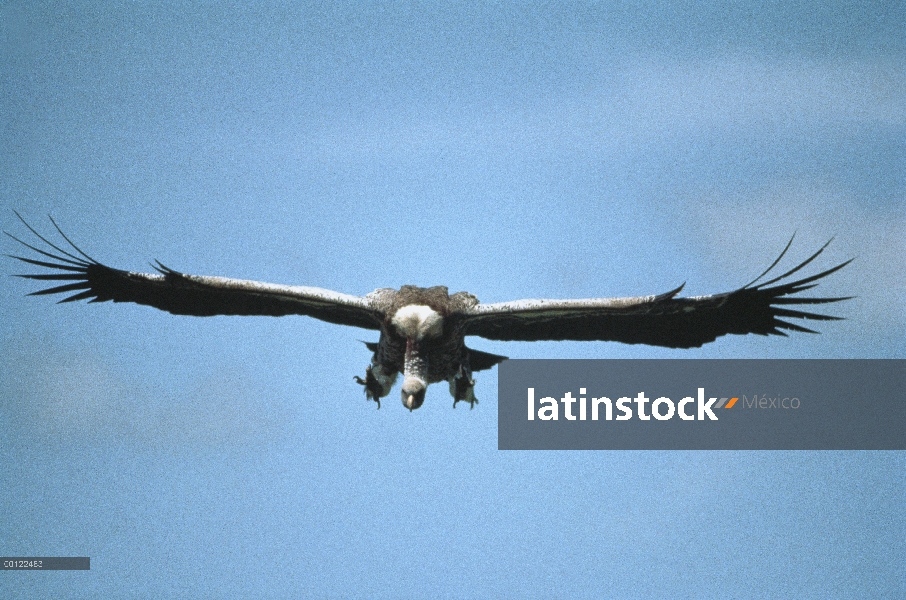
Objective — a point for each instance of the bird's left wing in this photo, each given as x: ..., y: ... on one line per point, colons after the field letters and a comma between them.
x: 662, y: 320
x: 182, y: 294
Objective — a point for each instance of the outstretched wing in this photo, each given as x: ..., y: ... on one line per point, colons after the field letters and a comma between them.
x: 182, y: 294
x: 663, y: 320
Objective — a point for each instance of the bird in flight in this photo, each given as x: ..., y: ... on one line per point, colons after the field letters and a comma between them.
x: 422, y: 330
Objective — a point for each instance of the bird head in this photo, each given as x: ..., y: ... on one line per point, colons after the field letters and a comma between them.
x: 413, y: 392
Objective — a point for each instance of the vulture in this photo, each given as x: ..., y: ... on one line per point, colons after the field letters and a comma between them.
x: 423, y: 330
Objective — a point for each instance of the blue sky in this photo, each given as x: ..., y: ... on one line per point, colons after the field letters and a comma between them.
x: 512, y: 151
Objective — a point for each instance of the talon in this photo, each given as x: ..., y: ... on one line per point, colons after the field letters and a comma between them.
x: 462, y: 388
x: 376, y: 385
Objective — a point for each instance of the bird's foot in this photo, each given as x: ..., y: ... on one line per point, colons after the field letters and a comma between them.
x: 462, y: 388
x: 372, y: 387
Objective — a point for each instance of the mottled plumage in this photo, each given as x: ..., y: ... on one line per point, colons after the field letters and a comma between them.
x: 422, y: 330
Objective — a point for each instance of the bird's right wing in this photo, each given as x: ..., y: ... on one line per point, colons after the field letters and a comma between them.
x: 195, y: 295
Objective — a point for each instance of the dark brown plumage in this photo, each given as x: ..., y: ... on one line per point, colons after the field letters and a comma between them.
x: 423, y: 329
